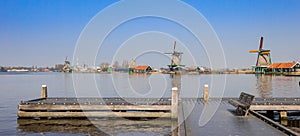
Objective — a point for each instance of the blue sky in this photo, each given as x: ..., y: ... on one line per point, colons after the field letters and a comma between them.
x: 44, y: 32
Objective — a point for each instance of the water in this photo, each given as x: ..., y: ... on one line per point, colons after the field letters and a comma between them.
x: 25, y: 86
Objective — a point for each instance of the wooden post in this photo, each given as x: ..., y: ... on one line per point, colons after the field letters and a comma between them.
x: 205, y: 93
x: 175, y: 127
x: 44, y: 91
x: 174, y: 103
x: 283, y: 118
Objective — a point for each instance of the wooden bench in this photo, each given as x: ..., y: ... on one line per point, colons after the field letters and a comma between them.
x: 243, y: 103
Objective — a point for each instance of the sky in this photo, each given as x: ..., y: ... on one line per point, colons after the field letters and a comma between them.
x: 44, y: 32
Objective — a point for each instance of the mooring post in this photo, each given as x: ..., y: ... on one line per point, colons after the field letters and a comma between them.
x: 205, y: 93
x: 44, y: 91
x: 175, y: 127
x: 283, y: 118
x: 174, y: 103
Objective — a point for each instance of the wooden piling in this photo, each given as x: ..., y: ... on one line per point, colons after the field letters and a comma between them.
x: 283, y: 118
x: 283, y: 114
x: 174, y: 103
x: 44, y: 91
x: 175, y: 127
x: 205, y: 93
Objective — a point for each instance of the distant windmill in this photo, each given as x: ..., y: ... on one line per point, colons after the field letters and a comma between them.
x: 263, y: 57
x: 67, y: 66
x: 176, y: 58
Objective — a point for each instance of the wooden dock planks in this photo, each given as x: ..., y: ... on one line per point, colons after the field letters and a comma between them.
x: 92, y: 114
x: 61, y: 106
x: 95, y: 107
x: 276, y: 104
x: 275, y: 107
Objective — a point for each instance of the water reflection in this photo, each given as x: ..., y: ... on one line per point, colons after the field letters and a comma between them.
x: 68, y: 85
x: 176, y: 80
x: 140, y: 84
x: 264, y: 85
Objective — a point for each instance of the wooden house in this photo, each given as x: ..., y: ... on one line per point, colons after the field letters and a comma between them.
x: 142, y: 69
x: 284, y: 67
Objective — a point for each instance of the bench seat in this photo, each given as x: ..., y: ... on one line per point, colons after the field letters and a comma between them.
x: 243, y: 103
x: 236, y: 103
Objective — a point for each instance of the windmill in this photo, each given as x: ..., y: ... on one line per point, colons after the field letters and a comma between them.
x: 131, y: 66
x: 176, y: 59
x: 67, y: 66
x: 263, y: 58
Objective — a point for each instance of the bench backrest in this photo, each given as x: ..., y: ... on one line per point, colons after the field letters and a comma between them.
x: 246, y: 98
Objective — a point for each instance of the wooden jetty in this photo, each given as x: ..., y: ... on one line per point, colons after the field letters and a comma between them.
x: 276, y: 104
x: 99, y: 107
x: 95, y: 107
x: 173, y: 108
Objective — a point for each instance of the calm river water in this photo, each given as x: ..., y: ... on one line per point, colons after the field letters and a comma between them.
x: 25, y: 86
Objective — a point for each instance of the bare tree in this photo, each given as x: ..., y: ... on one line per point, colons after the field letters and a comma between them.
x: 104, y: 66
x: 125, y: 64
x: 116, y: 64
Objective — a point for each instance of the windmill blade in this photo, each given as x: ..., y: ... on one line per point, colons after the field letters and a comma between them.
x: 174, y: 46
x: 265, y: 53
x: 261, y: 43
x: 254, y: 51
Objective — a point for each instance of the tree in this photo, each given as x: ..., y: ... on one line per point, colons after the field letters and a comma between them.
x: 104, y: 66
x: 125, y: 64
x: 116, y: 64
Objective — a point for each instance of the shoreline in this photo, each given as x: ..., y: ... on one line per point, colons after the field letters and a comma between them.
x: 176, y: 73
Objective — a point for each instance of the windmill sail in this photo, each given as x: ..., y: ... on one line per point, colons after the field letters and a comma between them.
x: 176, y: 58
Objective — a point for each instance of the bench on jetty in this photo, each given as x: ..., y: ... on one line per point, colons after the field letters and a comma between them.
x: 99, y: 107
x: 243, y: 103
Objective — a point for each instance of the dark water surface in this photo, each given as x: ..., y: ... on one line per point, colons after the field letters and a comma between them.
x: 25, y: 86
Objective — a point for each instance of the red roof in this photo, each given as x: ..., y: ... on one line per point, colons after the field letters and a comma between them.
x: 141, y: 67
x: 283, y: 65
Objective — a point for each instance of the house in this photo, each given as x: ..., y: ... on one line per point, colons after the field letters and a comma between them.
x: 195, y: 69
x: 142, y: 69
x: 284, y: 67
x: 121, y: 69
x: 2, y: 69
